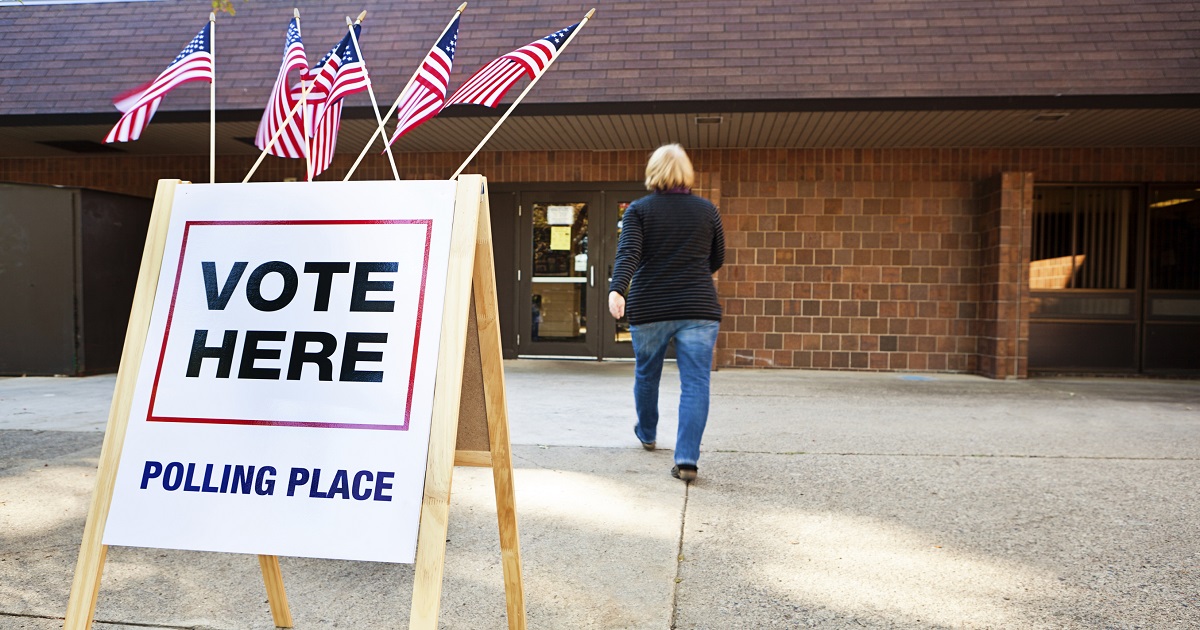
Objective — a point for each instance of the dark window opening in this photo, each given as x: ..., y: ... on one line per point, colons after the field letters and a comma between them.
x: 1174, y: 240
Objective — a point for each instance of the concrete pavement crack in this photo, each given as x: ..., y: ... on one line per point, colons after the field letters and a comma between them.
x: 127, y: 624
x: 528, y: 463
x: 687, y: 488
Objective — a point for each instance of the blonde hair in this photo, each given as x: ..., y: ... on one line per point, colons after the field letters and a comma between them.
x: 669, y: 167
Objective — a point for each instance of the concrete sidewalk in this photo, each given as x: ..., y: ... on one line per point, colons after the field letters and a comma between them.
x: 825, y: 499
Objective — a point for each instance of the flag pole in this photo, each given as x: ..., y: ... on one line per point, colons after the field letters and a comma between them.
x: 371, y: 92
x: 212, y: 100
x: 583, y: 22
x: 305, y: 119
x: 279, y: 132
x: 383, y: 132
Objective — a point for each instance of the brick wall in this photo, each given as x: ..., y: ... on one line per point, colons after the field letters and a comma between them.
x: 874, y: 259
x: 860, y: 275
x: 889, y: 259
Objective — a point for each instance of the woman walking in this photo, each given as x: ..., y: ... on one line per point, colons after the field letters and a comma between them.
x: 671, y: 243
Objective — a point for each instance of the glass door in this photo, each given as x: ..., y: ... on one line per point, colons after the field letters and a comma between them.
x: 568, y: 243
x: 557, y: 276
x: 616, y: 341
x: 1171, y: 330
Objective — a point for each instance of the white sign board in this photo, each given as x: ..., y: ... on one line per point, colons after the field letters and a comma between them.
x: 284, y: 399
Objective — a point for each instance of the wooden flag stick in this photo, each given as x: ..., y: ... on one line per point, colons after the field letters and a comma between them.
x: 286, y: 121
x: 382, y: 132
x: 371, y: 92
x: 305, y: 122
x: 583, y: 22
x: 212, y: 100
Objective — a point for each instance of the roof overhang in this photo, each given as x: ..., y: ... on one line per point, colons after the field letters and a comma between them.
x: 989, y: 122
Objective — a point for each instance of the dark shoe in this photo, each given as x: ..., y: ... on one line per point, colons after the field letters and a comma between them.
x: 684, y: 472
x: 649, y: 446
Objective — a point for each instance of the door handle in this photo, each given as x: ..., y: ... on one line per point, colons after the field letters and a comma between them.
x: 592, y: 275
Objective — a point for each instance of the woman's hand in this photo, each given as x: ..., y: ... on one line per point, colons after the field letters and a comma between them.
x: 616, y: 304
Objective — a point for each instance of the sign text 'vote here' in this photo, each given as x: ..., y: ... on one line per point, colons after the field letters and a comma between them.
x: 299, y: 316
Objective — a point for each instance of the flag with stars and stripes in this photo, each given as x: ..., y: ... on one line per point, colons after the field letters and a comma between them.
x: 316, y: 93
x: 194, y: 63
x: 340, y: 73
x: 426, y: 96
x: 489, y: 84
x: 291, y: 141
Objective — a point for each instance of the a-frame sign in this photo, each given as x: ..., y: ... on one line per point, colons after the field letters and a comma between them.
x: 274, y: 364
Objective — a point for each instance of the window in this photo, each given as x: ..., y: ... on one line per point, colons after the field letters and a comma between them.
x: 1082, y: 238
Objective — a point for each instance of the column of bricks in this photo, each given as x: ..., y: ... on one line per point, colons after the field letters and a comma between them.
x: 1005, y: 228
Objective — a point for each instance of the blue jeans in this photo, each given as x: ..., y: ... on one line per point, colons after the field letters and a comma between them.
x: 694, y: 342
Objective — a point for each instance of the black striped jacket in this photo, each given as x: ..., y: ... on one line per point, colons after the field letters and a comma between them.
x: 671, y: 244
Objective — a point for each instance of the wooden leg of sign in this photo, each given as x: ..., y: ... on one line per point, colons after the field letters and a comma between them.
x: 85, y: 587
x: 487, y: 316
x: 80, y: 612
x: 435, y: 505
x: 276, y: 596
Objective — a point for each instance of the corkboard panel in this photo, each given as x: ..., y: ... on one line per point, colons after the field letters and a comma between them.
x: 472, y: 410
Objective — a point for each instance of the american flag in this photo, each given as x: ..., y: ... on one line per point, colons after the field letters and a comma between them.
x: 337, y: 75
x: 290, y: 143
x: 194, y: 63
x: 489, y: 84
x: 426, y: 95
x: 315, y: 97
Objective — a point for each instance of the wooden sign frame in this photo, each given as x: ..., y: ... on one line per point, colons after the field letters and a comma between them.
x: 470, y: 419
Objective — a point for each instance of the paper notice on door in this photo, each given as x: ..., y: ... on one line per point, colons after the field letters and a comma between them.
x: 560, y: 238
x: 560, y: 215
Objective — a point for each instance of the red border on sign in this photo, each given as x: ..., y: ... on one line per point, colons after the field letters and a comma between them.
x: 412, y: 373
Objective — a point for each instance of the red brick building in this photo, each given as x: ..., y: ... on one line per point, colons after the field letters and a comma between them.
x: 1001, y: 188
